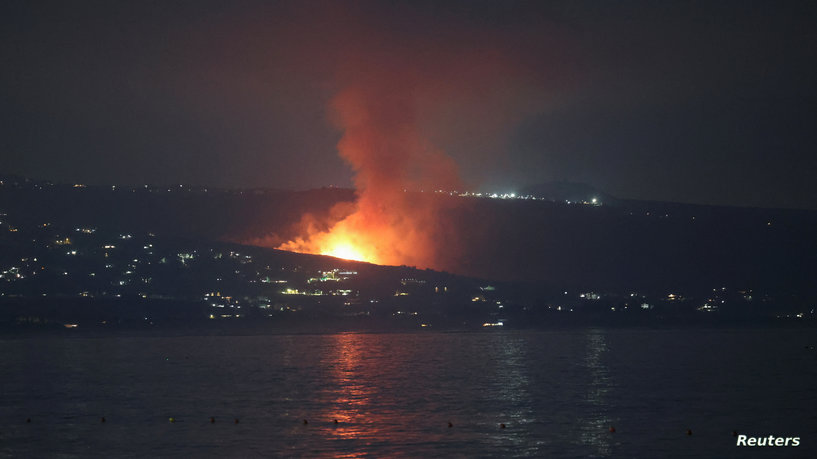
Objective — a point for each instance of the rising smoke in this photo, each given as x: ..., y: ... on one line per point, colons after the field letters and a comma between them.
x: 397, y: 93
x: 391, y: 224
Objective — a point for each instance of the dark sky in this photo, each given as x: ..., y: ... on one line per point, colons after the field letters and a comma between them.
x: 703, y: 102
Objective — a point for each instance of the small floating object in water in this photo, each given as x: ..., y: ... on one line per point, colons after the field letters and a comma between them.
x: 306, y: 422
x: 28, y: 420
x: 612, y: 429
x: 502, y: 426
x: 689, y: 431
x: 450, y: 425
x: 102, y: 419
x: 336, y: 421
x: 212, y: 420
x: 236, y: 420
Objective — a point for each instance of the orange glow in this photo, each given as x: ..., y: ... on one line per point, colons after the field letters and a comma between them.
x: 339, y: 242
x: 388, y: 154
x: 347, y: 250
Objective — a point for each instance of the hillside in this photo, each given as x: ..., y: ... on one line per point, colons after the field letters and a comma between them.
x: 644, y: 246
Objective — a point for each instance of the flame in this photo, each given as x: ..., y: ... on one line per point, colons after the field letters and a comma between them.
x: 346, y: 251
x: 343, y: 247
x: 340, y: 242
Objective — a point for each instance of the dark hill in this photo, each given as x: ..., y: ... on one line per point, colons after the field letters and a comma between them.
x: 632, y: 245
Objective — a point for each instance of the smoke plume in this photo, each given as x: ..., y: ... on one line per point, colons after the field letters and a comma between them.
x: 391, y: 224
x: 397, y: 94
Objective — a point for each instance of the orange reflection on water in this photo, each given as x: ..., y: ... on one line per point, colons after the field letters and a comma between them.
x: 353, y: 391
x: 347, y: 371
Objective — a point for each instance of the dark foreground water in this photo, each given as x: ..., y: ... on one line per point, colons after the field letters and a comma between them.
x: 557, y: 392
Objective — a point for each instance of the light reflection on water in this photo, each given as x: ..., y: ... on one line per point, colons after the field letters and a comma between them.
x: 595, y: 428
x: 349, y: 390
x: 393, y: 395
x: 509, y: 385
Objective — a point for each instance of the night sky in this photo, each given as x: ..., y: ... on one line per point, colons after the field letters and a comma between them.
x: 701, y: 102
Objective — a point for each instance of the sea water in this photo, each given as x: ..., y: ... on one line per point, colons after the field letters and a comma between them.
x: 665, y: 393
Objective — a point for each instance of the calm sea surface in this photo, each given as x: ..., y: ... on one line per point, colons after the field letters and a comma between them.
x: 557, y: 392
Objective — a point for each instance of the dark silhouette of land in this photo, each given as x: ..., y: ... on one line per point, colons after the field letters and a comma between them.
x: 147, y: 255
